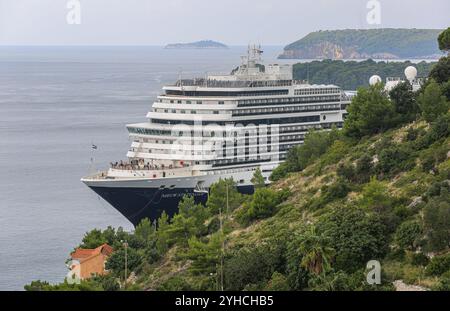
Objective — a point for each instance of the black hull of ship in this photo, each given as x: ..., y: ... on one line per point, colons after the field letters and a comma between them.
x: 140, y: 203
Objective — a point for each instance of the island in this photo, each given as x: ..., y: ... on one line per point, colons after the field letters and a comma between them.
x: 204, y: 44
x: 385, y: 43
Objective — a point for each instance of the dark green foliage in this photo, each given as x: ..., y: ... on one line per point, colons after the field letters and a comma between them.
x: 408, y: 234
x: 176, y: 284
x: 93, y: 239
x: 364, y: 168
x: 441, y: 71
x: 281, y: 170
x: 190, y: 221
x: 264, y: 204
x: 252, y: 266
x: 278, y: 282
x: 205, y: 256
x: 439, y: 265
x: 432, y: 102
x: 405, y: 104
x: 412, y: 134
x: 370, y: 112
x: 297, y: 275
x: 444, y: 40
x: 437, y: 222
x: 45, y: 286
x: 357, y: 236
x: 395, y: 159
x: 258, y: 179
x: 116, y: 262
x: 337, y: 190
x: 439, y: 129
x: 36, y: 286
x: 419, y: 259
x: 346, y: 171
x: 351, y: 75
x: 433, y: 157
x: 444, y: 284
x: 217, y: 199
x: 299, y: 157
x: 437, y: 188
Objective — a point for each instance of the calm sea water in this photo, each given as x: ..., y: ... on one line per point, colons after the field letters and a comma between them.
x: 55, y: 102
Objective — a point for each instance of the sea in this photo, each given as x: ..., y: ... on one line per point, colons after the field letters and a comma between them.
x: 55, y: 104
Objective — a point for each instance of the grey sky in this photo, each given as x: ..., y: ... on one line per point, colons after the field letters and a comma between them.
x: 234, y: 22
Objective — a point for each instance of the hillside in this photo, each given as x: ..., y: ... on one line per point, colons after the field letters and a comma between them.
x: 385, y: 43
x: 204, y: 44
x: 351, y: 75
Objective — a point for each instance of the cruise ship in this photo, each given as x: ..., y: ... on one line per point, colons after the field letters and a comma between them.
x: 215, y: 127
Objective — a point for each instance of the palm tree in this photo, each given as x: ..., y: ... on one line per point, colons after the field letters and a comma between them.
x: 317, y: 253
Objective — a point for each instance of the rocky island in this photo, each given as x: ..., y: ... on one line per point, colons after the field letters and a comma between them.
x: 204, y: 44
x: 387, y: 43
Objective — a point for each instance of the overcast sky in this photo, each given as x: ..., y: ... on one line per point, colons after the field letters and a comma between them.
x: 234, y: 22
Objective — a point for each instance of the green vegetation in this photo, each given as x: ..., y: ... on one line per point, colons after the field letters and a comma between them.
x: 373, y: 191
x: 350, y: 75
x: 444, y: 40
x: 363, y: 43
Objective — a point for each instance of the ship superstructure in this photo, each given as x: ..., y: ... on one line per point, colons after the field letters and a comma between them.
x: 219, y: 126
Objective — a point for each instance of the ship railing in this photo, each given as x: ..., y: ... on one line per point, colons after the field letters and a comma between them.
x: 126, y: 166
x: 236, y: 84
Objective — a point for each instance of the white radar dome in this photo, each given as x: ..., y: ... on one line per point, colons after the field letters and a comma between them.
x: 411, y: 73
x: 374, y: 80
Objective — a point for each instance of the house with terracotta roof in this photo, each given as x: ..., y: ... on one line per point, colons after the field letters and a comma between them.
x: 90, y: 262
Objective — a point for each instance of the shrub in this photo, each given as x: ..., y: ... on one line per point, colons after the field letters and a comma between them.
x: 278, y: 282
x: 439, y: 265
x: 263, y: 204
x: 395, y: 159
x: 437, y: 222
x: 419, y: 259
x: 357, y: 236
x: 252, y: 266
x: 407, y: 234
x: 176, y: 283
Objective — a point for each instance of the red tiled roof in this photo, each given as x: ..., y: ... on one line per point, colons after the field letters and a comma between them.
x: 83, y: 254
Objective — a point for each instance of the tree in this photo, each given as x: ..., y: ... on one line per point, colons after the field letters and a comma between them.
x: 162, y: 233
x: 356, y: 234
x: 432, y: 102
x: 190, y: 221
x: 404, y: 100
x: 258, y: 179
x: 370, y: 112
x: 205, y: 256
x: 145, y: 230
x: 316, y: 144
x: 116, y: 262
x: 441, y: 71
x: 316, y: 251
x: 444, y: 40
x: 252, y: 266
x: 437, y: 222
x: 217, y: 199
x: 263, y: 204
x: 407, y: 234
